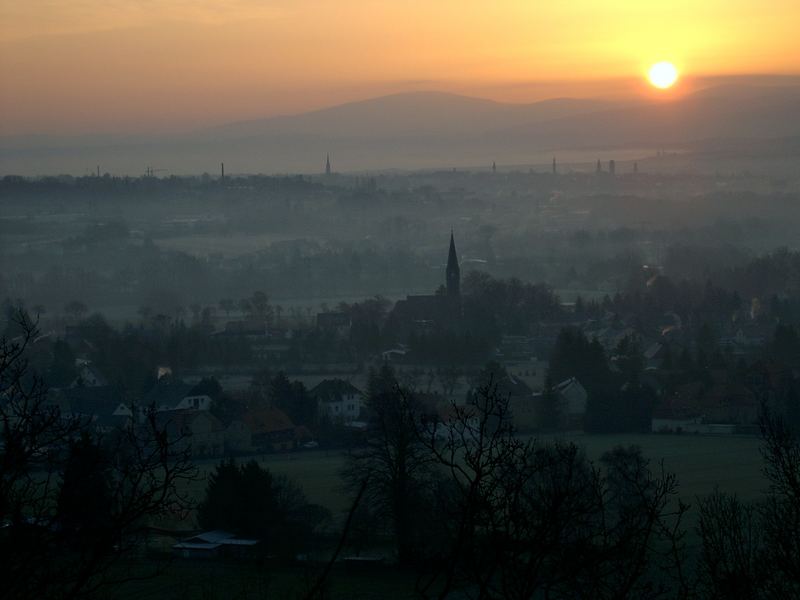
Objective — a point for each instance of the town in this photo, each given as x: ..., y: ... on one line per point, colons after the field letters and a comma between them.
x: 275, y: 346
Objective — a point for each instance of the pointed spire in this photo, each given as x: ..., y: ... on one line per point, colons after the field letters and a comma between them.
x: 453, y: 272
x: 328, y: 165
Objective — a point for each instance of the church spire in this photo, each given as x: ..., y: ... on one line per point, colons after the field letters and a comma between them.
x: 328, y: 164
x: 453, y: 273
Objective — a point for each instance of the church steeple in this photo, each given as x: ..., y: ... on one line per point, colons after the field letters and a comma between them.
x: 453, y: 273
x: 328, y: 164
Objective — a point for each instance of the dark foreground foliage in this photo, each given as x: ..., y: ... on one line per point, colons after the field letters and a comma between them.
x: 73, y: 502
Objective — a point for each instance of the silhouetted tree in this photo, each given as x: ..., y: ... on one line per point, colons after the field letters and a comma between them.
x: 522, y: 519
x: 72, y: 503
x: 394, y: 462
x: 250, y: 501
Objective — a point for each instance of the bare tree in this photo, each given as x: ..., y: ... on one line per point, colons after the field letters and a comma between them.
x: 525, y: 519
x: 753, y: 550
x: 732, y: 561
x: 394, y: 462
x: 781, y: 512
x: 47, y: 553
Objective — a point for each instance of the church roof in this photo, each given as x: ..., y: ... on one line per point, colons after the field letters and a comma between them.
x: 452, y: 257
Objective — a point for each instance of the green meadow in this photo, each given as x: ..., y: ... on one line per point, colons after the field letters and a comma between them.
x: 701, y: 463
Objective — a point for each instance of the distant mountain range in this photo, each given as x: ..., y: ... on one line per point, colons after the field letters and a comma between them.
x: 423, y: 130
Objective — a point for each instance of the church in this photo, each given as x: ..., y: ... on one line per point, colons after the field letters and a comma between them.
x: 436, y: 312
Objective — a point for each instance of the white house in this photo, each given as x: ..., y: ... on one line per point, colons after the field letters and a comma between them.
x: 339, y: 400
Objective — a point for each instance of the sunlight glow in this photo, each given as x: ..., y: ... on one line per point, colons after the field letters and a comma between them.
x: 663, y: 75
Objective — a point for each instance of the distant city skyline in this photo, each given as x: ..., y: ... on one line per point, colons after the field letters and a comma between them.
x: 124, y: 67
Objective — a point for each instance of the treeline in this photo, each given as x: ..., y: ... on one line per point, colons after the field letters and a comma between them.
x: 475, y: 509
x: 467, y: 506
x: 766, y: 291
x: 472, y: 509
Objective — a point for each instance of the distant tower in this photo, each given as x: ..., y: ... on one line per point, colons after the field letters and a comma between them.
x: 222, y: 171
x: 555, y: 170
x: 328, y: 165
x: 635, y: 167
x: 453, y: 272
x: 599, y: 168
x: 612, y: 166
x: 494, y: 167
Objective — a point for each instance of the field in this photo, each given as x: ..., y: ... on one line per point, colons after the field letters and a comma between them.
x: 701, y: 463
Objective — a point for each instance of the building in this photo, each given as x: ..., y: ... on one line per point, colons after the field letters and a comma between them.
x: 211, y: 544
x: 88, y: 375
x: 173, y: 394
x: 199, y: 431
x: 574, y: 398
x: 424, y: 314
x: 339, y: 400
x: 102, y: 407
x: 272, y: 429
x: 527, y: 409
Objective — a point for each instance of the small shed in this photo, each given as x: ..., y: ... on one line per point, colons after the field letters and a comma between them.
x: 211, y: 544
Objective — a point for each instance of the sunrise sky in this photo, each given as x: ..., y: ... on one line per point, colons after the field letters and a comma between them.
x: 85, y: 66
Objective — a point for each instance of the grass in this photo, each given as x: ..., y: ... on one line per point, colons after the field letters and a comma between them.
x: 701, y: 462
x: 246, y: 580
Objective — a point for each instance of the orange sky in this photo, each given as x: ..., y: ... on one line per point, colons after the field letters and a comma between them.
x: 148, y: 65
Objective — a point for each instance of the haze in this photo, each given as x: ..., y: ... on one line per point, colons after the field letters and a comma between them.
x: 327, y: 299
x: 150, y: 66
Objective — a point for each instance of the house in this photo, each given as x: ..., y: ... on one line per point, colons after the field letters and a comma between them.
x: 211, y: 544
x: 521, y: 400
x: 88, y: 375
x: 693, y: 408
x: 173, y: 394
x: 731, y: 403
x: 574, y: 397
x: 238, y: 437
x: 339, y: 400
x: 200, y: 431
x: 532, y: 371
x: 272, y: 429
x: 448, y: 421
x: 104, y: 407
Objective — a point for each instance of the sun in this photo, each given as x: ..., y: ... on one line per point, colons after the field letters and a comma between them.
x: 663, y: 75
